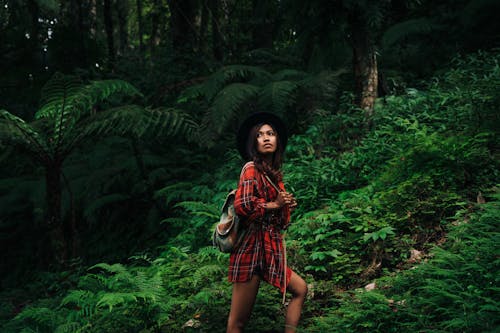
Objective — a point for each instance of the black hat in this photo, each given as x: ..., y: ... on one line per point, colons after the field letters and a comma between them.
x: 255, y: 119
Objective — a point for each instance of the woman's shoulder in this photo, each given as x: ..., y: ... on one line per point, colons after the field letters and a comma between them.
x: 249, y: 169
x: 249, y: 165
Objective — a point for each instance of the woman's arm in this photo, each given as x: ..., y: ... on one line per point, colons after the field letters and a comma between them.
x: 248, y: 203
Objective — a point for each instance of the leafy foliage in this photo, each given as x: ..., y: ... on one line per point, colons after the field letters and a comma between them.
x: 369, y: 199
x: 236, y: 90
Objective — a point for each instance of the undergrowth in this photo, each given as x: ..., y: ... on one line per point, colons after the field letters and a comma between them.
x: 368, y: 199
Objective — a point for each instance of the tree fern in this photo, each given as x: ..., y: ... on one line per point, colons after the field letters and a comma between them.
x: 136, y: 121
x: 229, y: 101
x: 15, y: 130
x: 65, y: 100
x: 234, y: 91
x: 277, y: 96
x: 224, y: 76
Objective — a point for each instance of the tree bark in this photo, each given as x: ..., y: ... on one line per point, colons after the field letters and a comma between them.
x: 182, y: 14
x: 54, y: 223
x: 216, y: 31
x: 155, y: 22
x: 122, y: 11
x: 263, y: 25
x: 364, y: 65
x: 140, y: 25
x: 108, y: 26
x: 202, y: 45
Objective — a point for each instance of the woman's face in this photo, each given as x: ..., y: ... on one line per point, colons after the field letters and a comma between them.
x: 267, y: 141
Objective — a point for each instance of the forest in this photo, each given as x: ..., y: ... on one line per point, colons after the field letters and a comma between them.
x: 118, y: 124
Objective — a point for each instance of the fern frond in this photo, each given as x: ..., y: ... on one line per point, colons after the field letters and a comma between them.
x: 15, y: 130
x: 65, y: 100
x: 183, y: 191
x: 200, y: 209
x: 78, y: 297
x: 136, y: 121
x: 224, y: 76
x: 276, y: 96
x: 233, y: 98
x: 84, y: 299
x: 205, y: 273
x: 289, y: 75
x: 115, y: 268
x: 42, y: 316
x: 111, y: 300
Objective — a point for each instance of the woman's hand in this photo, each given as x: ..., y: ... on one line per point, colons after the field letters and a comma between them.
x: 283, y: 198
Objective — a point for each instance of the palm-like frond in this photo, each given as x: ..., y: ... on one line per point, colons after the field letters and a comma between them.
x: 135, y: 121
x: 229, y: 100
x: 65, y: 100
x: 224, y: 76
x: 289, y: 74
x: 234, y: 91
x: 276, y: 96
x: 16, y: 131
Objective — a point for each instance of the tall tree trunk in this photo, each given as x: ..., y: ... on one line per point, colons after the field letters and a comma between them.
x: 202, y: 45
x: 93, y: 18
x: 216, y: 30
x: 364, y: 65
x: 182, y: 17
x: 140, y: 26
x: 74, y: 236
x: 155, y: 21
x: 263, y: 26
x: 122, y: 11
x: 54, y: 223
x: 108, y: 26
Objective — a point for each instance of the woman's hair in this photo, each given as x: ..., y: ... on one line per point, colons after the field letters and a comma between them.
x: 273, y: 170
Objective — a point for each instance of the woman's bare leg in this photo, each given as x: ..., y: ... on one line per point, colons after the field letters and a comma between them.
x: 242, y: 301
x: 298, y: 287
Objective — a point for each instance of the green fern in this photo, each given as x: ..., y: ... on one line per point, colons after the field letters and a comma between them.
x: 237, y: 90
x: 278, y: 95
x: 65, y: 100
x: 15, y: 130
x: 200, y: 209
x: 231, y: 99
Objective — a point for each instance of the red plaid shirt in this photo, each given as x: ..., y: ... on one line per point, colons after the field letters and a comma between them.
x: 261, y: 251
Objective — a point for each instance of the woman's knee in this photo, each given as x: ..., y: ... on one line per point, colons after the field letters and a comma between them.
x: 299, y: 289
x: 302, y: 290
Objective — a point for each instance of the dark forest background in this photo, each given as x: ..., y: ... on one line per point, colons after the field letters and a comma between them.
x: 117, y: 148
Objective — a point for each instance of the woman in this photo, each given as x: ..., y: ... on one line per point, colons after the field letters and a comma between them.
x: 266, y: 212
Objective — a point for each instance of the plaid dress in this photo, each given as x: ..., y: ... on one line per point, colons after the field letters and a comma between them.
x: 261, y: 251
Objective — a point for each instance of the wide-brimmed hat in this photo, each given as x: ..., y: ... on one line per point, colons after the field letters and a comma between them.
x: 255, y: 119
